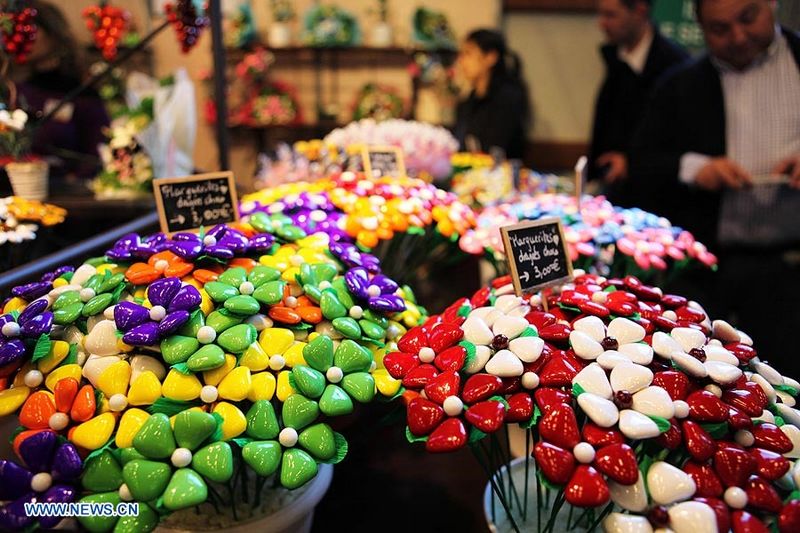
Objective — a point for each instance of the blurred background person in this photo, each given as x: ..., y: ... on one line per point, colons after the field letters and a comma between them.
x: 496, y: 114
x: 69, y: 139
x: 719, y: 154
x: 635, y: 57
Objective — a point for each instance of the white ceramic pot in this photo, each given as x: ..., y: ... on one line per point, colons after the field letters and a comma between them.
x: 280, y: 35
x: 381, y: 35
x: 28, y: 179
x: 296, y: 516
x: 498, y: 521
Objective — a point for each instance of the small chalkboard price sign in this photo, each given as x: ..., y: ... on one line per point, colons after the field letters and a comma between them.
x: 537, y: 255
x: 380, y: 161
x: 191, y: 202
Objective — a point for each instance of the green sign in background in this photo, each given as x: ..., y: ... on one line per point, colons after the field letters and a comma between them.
x: 676, y: 20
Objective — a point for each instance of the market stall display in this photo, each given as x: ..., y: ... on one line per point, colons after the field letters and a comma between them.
x: 166, y: 370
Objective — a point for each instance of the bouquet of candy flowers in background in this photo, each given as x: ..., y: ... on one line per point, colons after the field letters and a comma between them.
x: 127, y: 168
x: 427, y: 148
x: 330, y: 25
x: 378, y: 102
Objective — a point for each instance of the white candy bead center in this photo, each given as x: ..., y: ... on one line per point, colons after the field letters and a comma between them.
x: 209, y: 240
x: 356, y: 312
x: 584, y: 452
x: 33, y: 378
x: 87, y: 294
x: 736, y: 497
x: 209, y: 394
x: 373, y: 291
x: 206, y: 335
x: 453, y: 406
x: 426, y: 355
x: 288, y: 437
x: 41, y: 482
x: 246, y: 288
x: 118, y: 402
x: 157, y: 313
x: 125, y: 493
x: 11, y: 329
x: 58, y: 421
x: 161, y: 265
x: 530, y: 380
x: 334, y: 374
x: 277, y: 362
x: 181, y: 457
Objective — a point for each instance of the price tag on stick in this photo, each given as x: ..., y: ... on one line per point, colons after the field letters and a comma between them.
x: 537, y: 255
x: 381, y: 161
x: 191, y: 202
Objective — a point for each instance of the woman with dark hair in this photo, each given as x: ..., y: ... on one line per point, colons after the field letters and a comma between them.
x: 497, y: 112
x: 69, y: 139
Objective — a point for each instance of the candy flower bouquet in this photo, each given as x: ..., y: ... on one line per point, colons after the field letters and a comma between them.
x: 600, y: 237
x: 641, y: 413
x: 192, y: 369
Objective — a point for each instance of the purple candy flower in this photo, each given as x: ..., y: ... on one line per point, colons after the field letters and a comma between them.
x: 173, y: 303
x: 37, y: 289
x: 378, y: 291
x: 34, y: 321
x: 132, y: 247
x: 351, y: 256
x: 52, y: 471
x: 221, y: 242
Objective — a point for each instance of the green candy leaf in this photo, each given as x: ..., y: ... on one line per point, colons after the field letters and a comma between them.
x: 171, y: 407
x: 717, y: 431
x: 475, y: 435
x: 43, y: 345
x: 341, y: 449
x: 470, y: 348
x: 410, y: 437
x: 537, y: 414
x: 464, y: 311
x: 72, y: 356
x: 791, y: 391
x: 528, y: 332
x: 549, y: 485
x: 662, y: 423
x: 241, y: 441
x: 183, y: 368
x: 577, y: 390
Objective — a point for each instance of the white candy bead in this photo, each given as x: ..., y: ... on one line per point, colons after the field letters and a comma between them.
x: 246, y: 288
x: 453, y: 405
x: 209, y: 240
x: 181, y: 457
x: 287, y: 437
x: 125, y: 493
x: 373, y: 291
x: 681, y: 408
x: 58, y: 421
x: 334, y: 374
x: 41, y: 482
x: 291, y: 302
x: 277, y: 362
x: 161, y: 265
x: 157, y: 313
x: 209, y: 394
x: 735, y: 497
x: 206, y: 335
x: 584, y: 452
x: 87, y: 294
x: 356, y: 312
x: 10, y: 329
x: 426, y: 355
x: 117, y: 402
x: 530, y: 380
x: 33, y: 378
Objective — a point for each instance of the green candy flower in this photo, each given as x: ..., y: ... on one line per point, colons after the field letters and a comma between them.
x: 297, y: 448
x: 103, y: 477
x: 174, y: 464
x: 97, y: 294
x: 334, y: 378
x: 243, y: 294
x: 278, y: 224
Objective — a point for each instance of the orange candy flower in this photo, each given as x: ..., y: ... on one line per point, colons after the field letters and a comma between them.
x: 165, y: 264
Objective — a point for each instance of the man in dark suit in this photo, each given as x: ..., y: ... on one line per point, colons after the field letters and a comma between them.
x: 635, y: 57
x: 719, y: 154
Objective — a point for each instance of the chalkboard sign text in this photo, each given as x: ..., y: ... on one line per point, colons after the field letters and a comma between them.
x: 536, y: 254
x: 381, y: 161
x: 191, y: 202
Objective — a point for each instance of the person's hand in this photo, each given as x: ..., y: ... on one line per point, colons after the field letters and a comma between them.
x: 789, y: 167
x: 722, y: 172
x: 617, y: 166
